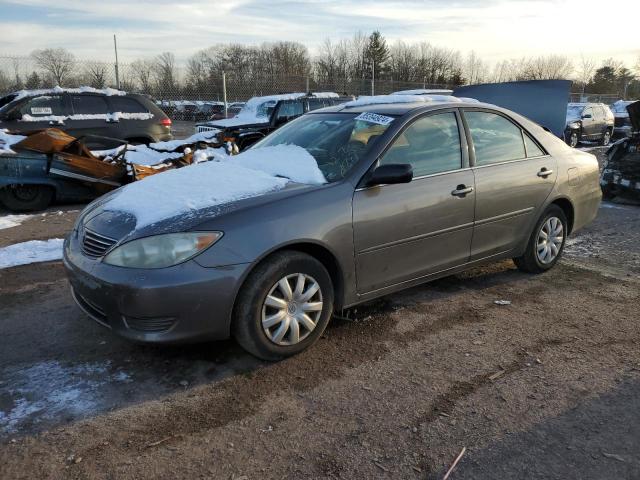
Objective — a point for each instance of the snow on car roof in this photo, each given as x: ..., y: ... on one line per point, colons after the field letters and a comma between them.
x: 249, y: 174
x: 57, y: 90
x: 389, y: 99
x: 424, y: 91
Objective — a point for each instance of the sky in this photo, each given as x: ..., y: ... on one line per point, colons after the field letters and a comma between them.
x: 494, y: 29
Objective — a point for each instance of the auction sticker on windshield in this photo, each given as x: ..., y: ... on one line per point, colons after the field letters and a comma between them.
x: 375, y: 118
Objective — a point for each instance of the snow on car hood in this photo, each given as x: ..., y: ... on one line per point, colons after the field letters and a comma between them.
x: 184, y: 191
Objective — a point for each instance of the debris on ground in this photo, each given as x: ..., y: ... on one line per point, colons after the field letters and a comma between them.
x: 455, y: 462
x: 502, y: 302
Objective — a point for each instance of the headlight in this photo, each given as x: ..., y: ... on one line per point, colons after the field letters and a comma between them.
x: 161, y: 251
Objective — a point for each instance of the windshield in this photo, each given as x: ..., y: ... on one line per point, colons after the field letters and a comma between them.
x: 336, y: 140
x: 574, y: 111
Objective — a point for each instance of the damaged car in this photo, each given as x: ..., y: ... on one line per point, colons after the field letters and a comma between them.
x: 621, y: 172
x: 337, y: 207
x: 262, y: 115
x: 588, y: 122
x: 623, y: 127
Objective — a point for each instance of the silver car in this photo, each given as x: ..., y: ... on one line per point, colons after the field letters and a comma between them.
x: 414, y: 192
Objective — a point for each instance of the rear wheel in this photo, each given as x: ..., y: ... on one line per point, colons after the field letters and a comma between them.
x: 26, y: 198
x: 546, y: 242
x: 284, y: 306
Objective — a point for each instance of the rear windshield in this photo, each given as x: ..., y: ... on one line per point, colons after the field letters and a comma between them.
x: 336, y: 140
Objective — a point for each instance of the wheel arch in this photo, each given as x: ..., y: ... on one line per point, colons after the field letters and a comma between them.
x: 568, y: 209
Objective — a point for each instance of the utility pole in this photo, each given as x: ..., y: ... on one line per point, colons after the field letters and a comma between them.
x: 115, y: 47
x: 224, y: 92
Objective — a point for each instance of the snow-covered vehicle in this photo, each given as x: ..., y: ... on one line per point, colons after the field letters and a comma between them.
x: 86, y: 111
x: 622, y: 126
x: 588, y: 121
x: 424, y: 91
x: 262, y: 115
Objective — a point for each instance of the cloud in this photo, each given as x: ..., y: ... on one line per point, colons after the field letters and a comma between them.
x: 495, y: 29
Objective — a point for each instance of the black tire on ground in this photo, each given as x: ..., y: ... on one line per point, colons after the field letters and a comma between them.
x: 573, y: 138
x: 247, y: 316
x: 26, y: 198
x: 529, y: 261
x: 606, y: 138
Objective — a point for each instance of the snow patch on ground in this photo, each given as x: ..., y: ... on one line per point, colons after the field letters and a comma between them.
x: 185, y: 190
x: 10, y: 221
x: 49, y: 390
x: 33, y: 251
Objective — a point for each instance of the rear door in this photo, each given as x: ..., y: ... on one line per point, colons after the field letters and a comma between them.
x: 407, y: 231
x: 130, y: 118
x: 513, y: 176
x: 90, y: 115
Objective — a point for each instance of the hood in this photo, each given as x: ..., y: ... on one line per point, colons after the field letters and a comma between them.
x: 177, y: 199
x: 238, y: 121
x: 634, y: 115
x: 543, y: 101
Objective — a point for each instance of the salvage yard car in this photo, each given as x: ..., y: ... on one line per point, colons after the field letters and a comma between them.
x: 262, y: 115
x: 86, y: 111
x: 588, y: 121
x: 337, y: 207
x: 623, y: 125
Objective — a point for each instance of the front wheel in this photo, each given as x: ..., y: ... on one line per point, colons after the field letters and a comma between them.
x: 573, y: 139
x: 284, y: 306
x: 26, y: 198
x: 546, y: 242
x: 606, y: 138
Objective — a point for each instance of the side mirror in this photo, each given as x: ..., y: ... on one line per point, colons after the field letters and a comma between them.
x: 588, y: 115
x: 390, y: 174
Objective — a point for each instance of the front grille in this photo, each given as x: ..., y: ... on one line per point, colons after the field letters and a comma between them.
x: 150, y: 325
x: 95, y: 245
x: 202, y: 128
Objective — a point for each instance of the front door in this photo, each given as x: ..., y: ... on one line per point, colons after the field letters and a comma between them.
x: 407, y: 231
x: 513, y: 178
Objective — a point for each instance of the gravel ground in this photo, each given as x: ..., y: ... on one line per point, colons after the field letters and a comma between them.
x: 546, y: 387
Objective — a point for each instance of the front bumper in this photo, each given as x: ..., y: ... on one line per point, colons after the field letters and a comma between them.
x: 184, y: 303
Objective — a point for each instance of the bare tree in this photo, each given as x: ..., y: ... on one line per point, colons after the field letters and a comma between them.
x: 165, y: 73
x: 57, y: 62
x: 586, y: 69
x: 142, y: 74
x: 96, y: 74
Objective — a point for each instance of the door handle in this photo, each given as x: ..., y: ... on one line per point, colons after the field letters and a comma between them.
x: 544, y: 173
x: 461, y: 191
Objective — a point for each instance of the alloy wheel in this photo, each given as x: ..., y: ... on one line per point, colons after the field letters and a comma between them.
x: 292, y: 309
x: 573, y: 140
x: 550, y: 239
x: 607, y: 138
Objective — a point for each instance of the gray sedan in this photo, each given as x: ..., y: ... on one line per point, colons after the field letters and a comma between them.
x: 414, y: 191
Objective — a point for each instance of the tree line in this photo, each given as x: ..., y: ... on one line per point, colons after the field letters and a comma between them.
x: 346, y: 65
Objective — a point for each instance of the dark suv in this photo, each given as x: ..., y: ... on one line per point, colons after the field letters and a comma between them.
x: 588, y: 121
x: 262, y: 115
x: 86, y: 111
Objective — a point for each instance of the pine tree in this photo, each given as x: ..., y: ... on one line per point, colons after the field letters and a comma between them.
x: 376, y: 55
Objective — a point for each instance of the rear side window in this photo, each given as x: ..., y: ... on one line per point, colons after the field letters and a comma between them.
x: 430, y: 144
x: 43, y: 106
x: 317, y: 103
x: 290, y: 109
x: 495, y: 138
x: 89, y: 105
x: 127, y: 105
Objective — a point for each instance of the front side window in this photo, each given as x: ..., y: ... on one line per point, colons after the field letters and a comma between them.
x: 495, y: 138
x: 337, y: 141
x: 89, y: 105
x: 43, y: 106
x: 430, y: 145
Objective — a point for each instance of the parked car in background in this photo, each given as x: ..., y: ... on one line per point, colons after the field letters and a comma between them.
x: 86, y: 111
x: 338, y: 207
x: 623, y: 125
x: 588, y: 121
x: 233, y: 109
x: 262, y: 115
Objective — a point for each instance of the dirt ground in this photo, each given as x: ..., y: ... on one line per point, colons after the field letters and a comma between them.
x: 546, y: 387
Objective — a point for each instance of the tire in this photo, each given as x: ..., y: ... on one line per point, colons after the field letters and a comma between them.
x: 534, y: 262
x: 261, y: 338
x: 573, y: 139
x: 606, y: 138
x: 26, y: 198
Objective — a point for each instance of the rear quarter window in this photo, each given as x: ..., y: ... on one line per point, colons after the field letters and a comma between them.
x: 127, y: 105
